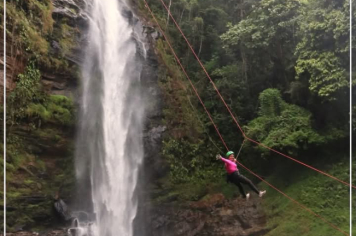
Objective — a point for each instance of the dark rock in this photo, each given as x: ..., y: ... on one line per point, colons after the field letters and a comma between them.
x: 59, y: 83
x: 43, y: 175
x: 62, y: 210
x: 214, y: 216
x: 57, y: 233
x: 55, y: 46
x: 127, y: 13
x: 19, y: 228
x: 72, y: 10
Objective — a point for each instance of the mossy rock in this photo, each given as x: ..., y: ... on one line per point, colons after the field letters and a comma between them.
x: 57, y: 109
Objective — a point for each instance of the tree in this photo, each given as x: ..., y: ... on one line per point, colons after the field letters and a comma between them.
x: 323, y: 49
x: 265, y: 41
x: 285, y: 127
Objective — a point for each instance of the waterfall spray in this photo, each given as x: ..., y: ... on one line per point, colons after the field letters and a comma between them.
x: 109, y: 147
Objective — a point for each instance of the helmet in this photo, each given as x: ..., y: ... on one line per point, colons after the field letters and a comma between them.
x: 229, y: 153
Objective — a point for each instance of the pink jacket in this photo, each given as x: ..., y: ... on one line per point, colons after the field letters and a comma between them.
x: 230, y: 166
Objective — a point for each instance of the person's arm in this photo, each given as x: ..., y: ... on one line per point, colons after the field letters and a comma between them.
x: 218, y: 157
x: 227, y: 161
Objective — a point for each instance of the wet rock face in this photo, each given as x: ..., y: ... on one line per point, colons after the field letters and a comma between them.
x: 56, y: 82
x: 73, y: 10
x: 214, y: 217
x: 74, y: 14
x: 154, y: 130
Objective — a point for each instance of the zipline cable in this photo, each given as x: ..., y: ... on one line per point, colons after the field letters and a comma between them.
x: 240, y: 148
x: 178, y: 61
x: 233, y: 117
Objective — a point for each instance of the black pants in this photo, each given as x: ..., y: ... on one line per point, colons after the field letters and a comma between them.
x: 237, y: 179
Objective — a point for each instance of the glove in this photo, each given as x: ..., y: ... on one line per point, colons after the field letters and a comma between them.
x: 218, y: 157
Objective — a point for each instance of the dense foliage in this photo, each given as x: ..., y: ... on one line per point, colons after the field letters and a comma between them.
x: 283, y: 69
x: 281, y: 66
x: 282, y: 126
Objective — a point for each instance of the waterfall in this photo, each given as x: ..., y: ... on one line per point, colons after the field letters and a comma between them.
x: 109, y: 144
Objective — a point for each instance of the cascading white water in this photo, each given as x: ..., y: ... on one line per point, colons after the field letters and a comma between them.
x: 110, y: 149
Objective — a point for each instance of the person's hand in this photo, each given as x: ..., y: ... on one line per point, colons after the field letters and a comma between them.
x: 218, y: 157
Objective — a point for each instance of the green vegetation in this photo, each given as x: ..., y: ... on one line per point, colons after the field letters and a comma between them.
x: 28, y: 90
x: 39, y: 125
x: 56, y: 109
x: 38, y: 145
x: 324, y: 196
x: 188, y: 139
x: 27, y: 32
x: 29, y: 103
x: 39, y: 165
x: 282, y: 67
x: 31, y: 29
x: 282, y: 126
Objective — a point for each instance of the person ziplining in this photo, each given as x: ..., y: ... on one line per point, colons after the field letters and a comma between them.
x: 234, y: 176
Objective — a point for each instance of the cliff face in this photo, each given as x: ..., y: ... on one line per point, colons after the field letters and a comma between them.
x: 44, y: 47
x: 58, y: 50
x: 73, y: 14
x: 40, y: 152
x: 213, y: 216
